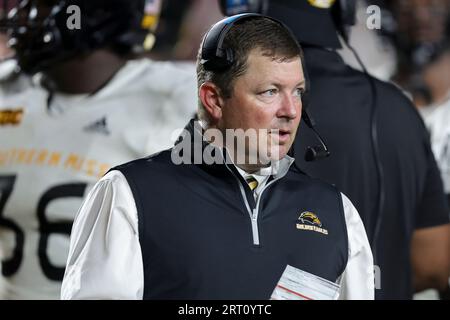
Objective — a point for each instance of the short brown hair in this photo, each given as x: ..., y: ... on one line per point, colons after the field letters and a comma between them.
x: 266, y: 35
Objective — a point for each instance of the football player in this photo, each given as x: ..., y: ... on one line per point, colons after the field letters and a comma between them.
x: 87, y: 104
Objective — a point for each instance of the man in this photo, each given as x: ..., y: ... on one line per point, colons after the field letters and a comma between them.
x: 215, y: 219
x: 83, y: 107
x: 437, y: 120
x: 380, y: 154
x: 422, y: 38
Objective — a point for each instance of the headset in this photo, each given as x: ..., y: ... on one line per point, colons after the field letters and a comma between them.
x: 216, y: 57
x: 344, y: 16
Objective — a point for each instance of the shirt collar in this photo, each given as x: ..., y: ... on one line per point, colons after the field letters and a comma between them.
x: 276, y: 169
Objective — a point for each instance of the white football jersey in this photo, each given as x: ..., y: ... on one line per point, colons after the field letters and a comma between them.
x: 437, y: 120
x: 52, y: 150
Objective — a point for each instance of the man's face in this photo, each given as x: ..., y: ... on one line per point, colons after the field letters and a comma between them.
x: 267, y: 97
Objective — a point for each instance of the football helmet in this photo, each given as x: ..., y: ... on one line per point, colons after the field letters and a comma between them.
x: 44, y: 32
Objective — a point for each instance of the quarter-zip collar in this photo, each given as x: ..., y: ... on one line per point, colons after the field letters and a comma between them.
x: 194, y: 131
x: 277, y: 170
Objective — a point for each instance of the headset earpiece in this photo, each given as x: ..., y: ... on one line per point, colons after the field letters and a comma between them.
x: 344, y: 16
x: 214, y: 55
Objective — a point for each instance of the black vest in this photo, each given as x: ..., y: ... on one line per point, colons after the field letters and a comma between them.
x: 196, y: 233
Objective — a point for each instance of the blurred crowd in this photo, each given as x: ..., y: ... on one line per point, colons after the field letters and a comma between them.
x: 411, y: 48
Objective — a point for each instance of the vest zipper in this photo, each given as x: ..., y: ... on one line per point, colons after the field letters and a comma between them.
x: 255, y: 212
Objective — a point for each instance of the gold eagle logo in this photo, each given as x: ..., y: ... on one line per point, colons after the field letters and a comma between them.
x: 308, y: 217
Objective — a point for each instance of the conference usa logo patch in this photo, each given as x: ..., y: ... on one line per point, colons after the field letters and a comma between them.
x: 11, y: 116
x: 311, y: 222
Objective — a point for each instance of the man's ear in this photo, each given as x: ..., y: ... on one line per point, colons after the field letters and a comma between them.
x: 212, y: 101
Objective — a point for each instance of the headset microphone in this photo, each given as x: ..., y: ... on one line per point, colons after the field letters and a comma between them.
x: 315, y: 152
